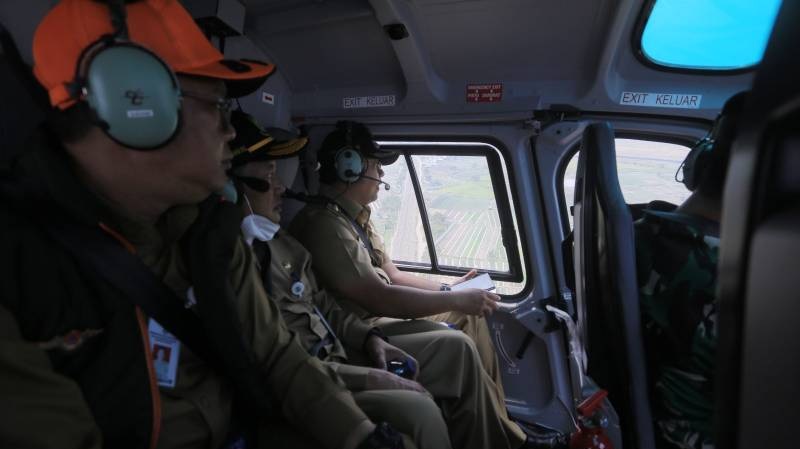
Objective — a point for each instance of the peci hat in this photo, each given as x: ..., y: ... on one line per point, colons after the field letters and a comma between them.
x: 254, y: 143
x: 162, y: 26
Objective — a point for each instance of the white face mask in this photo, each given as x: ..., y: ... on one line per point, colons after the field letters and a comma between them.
x: 256, y: 227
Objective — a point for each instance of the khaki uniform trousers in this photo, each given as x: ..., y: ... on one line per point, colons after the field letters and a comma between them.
x: 451, y: 371
x: 477, y: 330
x: 412, y: 414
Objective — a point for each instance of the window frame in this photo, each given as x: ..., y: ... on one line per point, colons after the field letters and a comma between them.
x: 492, y: 150
x: 561, y: 169
x: 638, y: 51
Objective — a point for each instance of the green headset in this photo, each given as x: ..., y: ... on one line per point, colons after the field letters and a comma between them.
x: 348, y: 162
x: 133, y: 93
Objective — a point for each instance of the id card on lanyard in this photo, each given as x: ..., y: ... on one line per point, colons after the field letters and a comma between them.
x: 166, y: 351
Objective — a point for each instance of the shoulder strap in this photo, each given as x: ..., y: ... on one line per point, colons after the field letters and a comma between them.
x: 100, y: 253
x: 264, y: 259
x: 362, y: 234
x: 227, y: 353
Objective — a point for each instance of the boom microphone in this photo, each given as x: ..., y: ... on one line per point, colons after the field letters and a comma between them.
x: 299, y: 196
x: 386, y: 185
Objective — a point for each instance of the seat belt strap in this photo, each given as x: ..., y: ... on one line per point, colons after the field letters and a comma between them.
x: 98, y: 252
x: 362, y: 234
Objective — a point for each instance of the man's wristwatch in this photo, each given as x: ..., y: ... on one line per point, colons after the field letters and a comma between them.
x: 444, y: 287
x: 384, y: 436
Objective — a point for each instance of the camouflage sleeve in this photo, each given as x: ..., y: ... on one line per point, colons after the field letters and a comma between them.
x: 39, y: 408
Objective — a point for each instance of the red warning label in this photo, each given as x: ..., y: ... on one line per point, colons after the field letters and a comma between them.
x: 485, y: 93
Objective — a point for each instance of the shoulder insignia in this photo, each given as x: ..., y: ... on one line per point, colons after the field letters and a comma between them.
x: 333, y: 207
x: 71, y: 340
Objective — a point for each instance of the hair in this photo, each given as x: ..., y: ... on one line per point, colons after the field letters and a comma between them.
x: 72, y: 124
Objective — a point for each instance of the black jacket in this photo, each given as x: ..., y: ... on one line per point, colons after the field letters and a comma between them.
x: 53, y: 300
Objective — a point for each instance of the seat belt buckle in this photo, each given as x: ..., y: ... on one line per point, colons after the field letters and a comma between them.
x: 591, y: 433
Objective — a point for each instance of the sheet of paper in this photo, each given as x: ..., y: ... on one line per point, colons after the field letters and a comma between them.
x: 483, y: 282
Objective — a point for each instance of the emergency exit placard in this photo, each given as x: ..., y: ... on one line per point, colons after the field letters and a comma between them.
x: 485, y: 93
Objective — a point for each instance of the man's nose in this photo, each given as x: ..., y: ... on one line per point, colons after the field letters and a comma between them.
x: 278, y: 183
x: 279, y: 187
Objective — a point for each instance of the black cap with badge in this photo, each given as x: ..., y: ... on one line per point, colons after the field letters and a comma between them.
x: 349, y: 140
x: 254, y: 143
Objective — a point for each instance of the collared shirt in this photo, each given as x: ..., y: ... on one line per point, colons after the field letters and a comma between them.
x: 340, y: 255
x: 196, y: 411
x: 290, y: 265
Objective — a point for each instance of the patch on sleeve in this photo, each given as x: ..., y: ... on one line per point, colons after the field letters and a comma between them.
x: 70, y: 341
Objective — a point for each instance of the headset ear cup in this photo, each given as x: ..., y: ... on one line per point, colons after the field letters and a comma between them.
x: 695, y: 164
x: 135, y: 95
x: 349, y: 165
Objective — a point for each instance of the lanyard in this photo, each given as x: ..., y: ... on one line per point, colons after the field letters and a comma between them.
x: 362, y: 234
x: 316, y: 350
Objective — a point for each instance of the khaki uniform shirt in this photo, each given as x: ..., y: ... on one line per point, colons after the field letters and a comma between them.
x: 341, y: 257
x: 196, y: 412
x: 307, y: 392
x: 290, y: 268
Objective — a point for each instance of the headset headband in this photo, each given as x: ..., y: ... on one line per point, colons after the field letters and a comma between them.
x: 118, y: 18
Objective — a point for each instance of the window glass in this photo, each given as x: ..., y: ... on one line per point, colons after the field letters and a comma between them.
x: 462, y: 215
x: 396, y: 217
x: 646, y: 171
x: 708, y: 34
x: 462, y: 210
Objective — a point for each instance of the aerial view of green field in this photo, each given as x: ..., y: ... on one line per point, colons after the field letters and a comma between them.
x: 459, y: 200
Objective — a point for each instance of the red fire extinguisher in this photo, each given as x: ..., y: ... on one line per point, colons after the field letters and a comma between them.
x: 591, y: 433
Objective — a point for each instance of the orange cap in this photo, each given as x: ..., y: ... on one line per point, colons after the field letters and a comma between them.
x: 162, y: 26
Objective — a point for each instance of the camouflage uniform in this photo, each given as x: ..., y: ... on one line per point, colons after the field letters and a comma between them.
x: 676, y: 258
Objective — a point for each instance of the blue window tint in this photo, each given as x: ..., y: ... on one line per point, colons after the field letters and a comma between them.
x: 709, y: 34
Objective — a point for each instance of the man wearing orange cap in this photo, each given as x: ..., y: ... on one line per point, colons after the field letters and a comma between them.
x: 107, y: 259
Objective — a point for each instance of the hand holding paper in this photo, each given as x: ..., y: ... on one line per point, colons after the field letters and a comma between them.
x: 483, y: 282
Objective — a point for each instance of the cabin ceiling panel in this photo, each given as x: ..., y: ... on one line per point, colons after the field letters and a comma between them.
x: 315, y: 47
x: 488, y: 41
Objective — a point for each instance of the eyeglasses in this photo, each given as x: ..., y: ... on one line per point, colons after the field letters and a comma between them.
x: 223, y: 104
